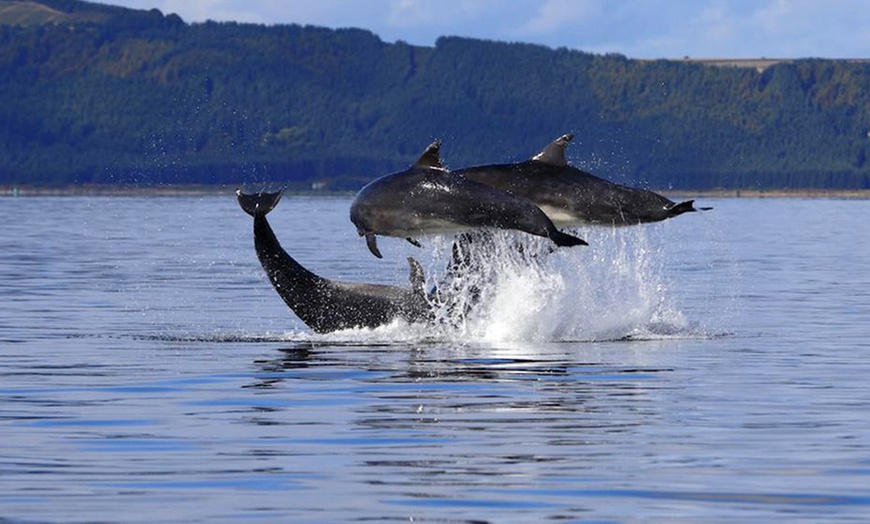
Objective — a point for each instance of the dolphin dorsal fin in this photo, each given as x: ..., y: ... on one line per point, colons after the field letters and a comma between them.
x: 431, y: 157
x: 417, y: 278
x: 554, y: 153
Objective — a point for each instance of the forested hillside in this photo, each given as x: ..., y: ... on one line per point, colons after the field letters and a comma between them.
x: 99, y: 94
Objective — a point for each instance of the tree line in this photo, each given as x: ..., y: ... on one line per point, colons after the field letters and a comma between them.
x: 137, y: 97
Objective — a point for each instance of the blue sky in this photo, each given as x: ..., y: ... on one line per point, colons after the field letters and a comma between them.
x: 635, y: 28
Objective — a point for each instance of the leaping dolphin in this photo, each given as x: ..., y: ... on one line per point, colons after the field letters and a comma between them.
x: 570, y: 196
x: 427, y: 198
x: 326, y: 305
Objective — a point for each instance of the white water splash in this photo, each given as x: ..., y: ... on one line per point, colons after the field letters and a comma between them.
x: 513, y: 287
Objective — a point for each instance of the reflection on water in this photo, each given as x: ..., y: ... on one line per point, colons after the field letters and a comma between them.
x: 430, y: 421
x: 148, y: 373
x: 617, y: 430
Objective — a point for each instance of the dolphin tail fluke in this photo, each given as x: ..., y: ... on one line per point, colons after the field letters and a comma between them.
x: 685, y: 207
x: 258, y: 204
x: 565, y: 240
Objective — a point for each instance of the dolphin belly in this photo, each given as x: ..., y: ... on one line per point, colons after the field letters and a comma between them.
x: 417, y: 226
x: 563, y: 217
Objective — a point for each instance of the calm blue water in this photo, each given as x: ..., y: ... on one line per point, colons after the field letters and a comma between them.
x: 711, y: 368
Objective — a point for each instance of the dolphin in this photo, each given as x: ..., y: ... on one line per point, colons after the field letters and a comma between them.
x: 572, y: 197
x: 427, y: 198
x: 326, y: 305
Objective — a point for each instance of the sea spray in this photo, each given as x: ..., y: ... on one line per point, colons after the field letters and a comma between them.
x: 505, y: 286
x: 502, y: 287
x: 497, y: 287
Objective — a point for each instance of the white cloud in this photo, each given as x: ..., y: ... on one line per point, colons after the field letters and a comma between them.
x: 553, y: 15
x: 714, y: 24
x: 202, y: 10
x: 409, y: 13
x: 636, y: 28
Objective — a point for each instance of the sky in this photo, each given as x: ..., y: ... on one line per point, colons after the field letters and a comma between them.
x: 634, y: 28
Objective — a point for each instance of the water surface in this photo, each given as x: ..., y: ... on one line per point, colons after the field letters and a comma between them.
x: 709, y: 368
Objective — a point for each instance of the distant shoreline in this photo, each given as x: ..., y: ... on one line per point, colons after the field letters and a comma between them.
x: 217, y: 190
x: 859, y: 194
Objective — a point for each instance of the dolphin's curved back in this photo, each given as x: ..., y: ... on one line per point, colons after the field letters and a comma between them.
x: 295, y: 284
x: 325, y: 305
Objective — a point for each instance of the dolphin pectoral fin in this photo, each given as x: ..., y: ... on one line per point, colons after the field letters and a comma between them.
x: 372, y: 243
x: 413, y: 242
x: 685, y: 207
x: 564, y: 239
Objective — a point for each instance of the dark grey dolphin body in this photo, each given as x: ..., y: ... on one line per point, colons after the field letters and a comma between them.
x: 426, y: 198
x: 326, y: 305
x: 570, y: 196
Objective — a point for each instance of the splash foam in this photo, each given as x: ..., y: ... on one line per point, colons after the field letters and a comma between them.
x: 496, y: 287
x: 507, y: 286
